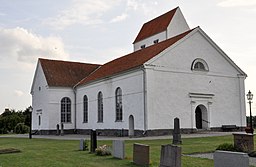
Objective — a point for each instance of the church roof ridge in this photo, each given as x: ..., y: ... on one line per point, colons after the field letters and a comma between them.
x: 132, y: 60
x: 65, y: 73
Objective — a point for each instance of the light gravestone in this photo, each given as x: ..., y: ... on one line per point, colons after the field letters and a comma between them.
x: 62, y: 129
x: 81, y: 146
x: 170, y: 156
x: 141, y: 154
x: 230, y: 159
x: 176, y: 132
x: 118, y: 149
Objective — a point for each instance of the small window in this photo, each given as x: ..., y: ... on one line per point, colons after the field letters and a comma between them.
x: 142, y: 46
x: 156, y: 41
x: 199, y: 65
x: 39, y: 88
x: 39, y: 120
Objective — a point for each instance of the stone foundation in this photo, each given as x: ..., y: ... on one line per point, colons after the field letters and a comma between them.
x: 124, y: 132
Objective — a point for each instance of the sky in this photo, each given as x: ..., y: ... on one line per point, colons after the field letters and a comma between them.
x: 97, y: 31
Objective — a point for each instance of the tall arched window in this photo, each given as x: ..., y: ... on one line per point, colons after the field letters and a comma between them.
x: 65, y: 110
x: 85, y: 108
x: 119, y: 108
x: 100, y: 107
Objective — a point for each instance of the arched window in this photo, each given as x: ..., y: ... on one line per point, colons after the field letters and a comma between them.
x: 119, y: 110
x: 85, y: 108
x: 199, y: 65
x: 100, y: 107
x: 65, y: 110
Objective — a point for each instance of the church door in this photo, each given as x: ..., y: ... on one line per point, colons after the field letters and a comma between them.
x: 131, y: 126
x: 198, y: 118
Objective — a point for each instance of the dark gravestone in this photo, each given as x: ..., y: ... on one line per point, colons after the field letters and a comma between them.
x: 62, y: 129
x: 141, y: 154
x: 176, y: 132
x: 170, y: 156
x: 244, y: 142
x: 57, y: 129
x: 93, y: 141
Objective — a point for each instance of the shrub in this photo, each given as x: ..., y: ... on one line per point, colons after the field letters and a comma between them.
x: 86, y: 145
x: 103, y: 150
x: 21, y: 128
x: 226, y: 147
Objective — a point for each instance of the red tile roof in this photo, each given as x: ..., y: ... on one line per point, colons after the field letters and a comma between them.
x: 64, y: 73
x: 131, y: 60
x: 155, y: 26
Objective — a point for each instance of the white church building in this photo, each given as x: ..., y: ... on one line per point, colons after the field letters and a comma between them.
x: 174, y: 71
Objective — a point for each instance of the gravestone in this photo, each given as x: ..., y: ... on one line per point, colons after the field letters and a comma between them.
x: 62, y: 129
x: 118, y: 149
x: 244, y: 141
x: 93, y: 141
x: 230, y: 159
x: 81, y: 146
x: 176, y: 132
x: 57, y: 129
x: 141, y: 154
x: 170, y: 156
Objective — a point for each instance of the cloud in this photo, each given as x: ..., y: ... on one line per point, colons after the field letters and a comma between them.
x: 18, y: 93
x: 85, y: 12
x: 119, y: 18
x: 20, y: 45
x: 237, y: 3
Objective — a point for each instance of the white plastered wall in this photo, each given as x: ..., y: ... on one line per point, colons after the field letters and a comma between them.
x: 132, y: 100
x: 170, y: 80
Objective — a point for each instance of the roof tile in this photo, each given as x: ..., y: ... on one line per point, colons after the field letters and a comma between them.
x: 64, y: 73
x: 131, y: 60
x: 155, y: 26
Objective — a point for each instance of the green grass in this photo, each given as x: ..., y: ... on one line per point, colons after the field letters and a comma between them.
x: 43, y: 152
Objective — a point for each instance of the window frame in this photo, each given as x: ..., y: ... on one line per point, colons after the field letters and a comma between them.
x: 202, y: 62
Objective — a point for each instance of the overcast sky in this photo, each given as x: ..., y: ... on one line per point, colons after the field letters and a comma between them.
x: 97, y: 31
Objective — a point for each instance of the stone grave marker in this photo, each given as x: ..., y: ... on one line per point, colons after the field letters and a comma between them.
x: 81, y: 146
x: 118, y: 149
x: 244, y: 141
x: 57, y: 129
x: 62, y: 129
x: 170, y: 156
x: 141, y: 154
x: 230, y: 159
x: 93, y: 141
x: 176, y: 132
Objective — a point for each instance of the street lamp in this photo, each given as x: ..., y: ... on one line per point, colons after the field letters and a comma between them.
x: 249, y: 98
x: 30, y: 109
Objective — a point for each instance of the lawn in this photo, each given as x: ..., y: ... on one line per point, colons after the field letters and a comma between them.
x: 45, y: 152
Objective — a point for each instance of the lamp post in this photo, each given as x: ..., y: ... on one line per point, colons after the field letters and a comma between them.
x: 249, y: 98
x: 30, y: 109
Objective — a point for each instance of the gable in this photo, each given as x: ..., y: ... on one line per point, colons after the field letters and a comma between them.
x: 64, y: 73
x: 196, y: 45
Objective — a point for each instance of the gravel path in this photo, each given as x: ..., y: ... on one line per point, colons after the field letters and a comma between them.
x: 252, y: 160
